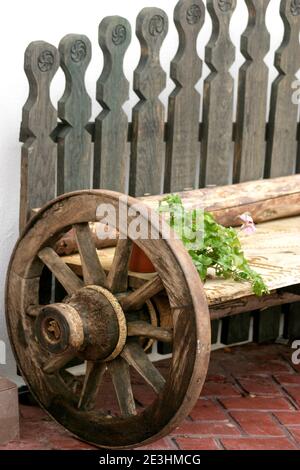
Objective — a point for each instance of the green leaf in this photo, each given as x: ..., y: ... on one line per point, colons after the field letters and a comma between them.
x: 210, y: 244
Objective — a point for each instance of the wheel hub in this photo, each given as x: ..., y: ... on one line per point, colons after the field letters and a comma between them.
x: 91, y: 323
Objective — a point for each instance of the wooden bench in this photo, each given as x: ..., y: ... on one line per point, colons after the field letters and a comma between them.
x: 97, y: 308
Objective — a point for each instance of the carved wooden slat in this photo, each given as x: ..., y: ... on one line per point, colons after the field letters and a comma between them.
x: 217, y: 146
x: 250, y: 142
x: 250, y: 145
x: 282, y: 136
x: 74, y: 109
x: 111, y: 152
x: 147, y: 150
x: 39, y: 119
x: 183, y: 147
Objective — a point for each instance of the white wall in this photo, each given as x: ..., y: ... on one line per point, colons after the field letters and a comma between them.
x: 25, y: 21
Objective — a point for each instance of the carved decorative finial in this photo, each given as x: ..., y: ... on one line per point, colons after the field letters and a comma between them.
x: 111, y: 149
x: 183, y: 147
x: 225, y: 5
x: 148, y: 116
x: 74, y: 109
x: 38, y: 123
x: 46, y: 61
x: 119, y: 35
x: 156, y: 25
x: 295, y: 7
x: 193, y: 14
x: 78, y: 51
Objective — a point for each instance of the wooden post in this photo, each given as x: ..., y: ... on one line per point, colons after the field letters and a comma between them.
x: 217, y: 145
x: 183, y: 146
x: 250, y: 142
x: 147, y: 151
x: 111, y: 155
x: 39, y: 120
x: 74, y: 109
x: 282, y: 136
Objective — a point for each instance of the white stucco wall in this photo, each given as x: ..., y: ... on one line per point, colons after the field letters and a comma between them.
x: 25, y: 21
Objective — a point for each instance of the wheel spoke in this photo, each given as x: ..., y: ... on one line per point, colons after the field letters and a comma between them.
x: 93, y: 377
x: 34, y: 310
x: 58, y: 362
x: 93, y: 273
x: 119, y: 371
x: 135, y: 356
x: 117, y: 279
x: 142, y: 328
x: 136, y: 299
x: 61, y: 271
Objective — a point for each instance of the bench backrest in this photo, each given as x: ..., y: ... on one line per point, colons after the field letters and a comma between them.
x: 63, y: 151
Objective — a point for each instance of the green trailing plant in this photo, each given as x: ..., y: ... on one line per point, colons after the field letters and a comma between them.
x: 210, y: 244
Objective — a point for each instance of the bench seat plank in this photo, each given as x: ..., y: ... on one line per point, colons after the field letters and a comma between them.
x: 273, y: 251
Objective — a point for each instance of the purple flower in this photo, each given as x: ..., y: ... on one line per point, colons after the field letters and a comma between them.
x: 248, y: 226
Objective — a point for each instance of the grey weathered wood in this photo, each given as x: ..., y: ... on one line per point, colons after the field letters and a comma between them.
x: 117, y: 278
x: 135, y: 356
x: 91, y: 385
x: 93, y: 273
x: 120, y: 374
x: 235, y: 329
x: 147, y: 149
x: 183, y: 146
x: 39, y: 119
x: 144, y: 329
x: 136, y: 299
x: 56, y: 363
x: 250, y: 142
x: 111, y: 150
x: 282, y: 135
x: 74, y: 109
x: 266, y: 324
x: 217, y: 146
x: 60, y: 270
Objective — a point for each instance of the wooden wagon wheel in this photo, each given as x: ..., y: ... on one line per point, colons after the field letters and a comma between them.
x: 91, y: 323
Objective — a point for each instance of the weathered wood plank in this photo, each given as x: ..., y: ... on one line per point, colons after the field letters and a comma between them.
x: 144, y: 329
x: 148, y: 119
x: 264, y: 199
x: 250, y: 143
x: 264, y: 249
x: 217, y: 145
x: 60, y: 270
x: 292, y: 324
x: 39, y: 119
x: 111, y: 150
x: 74, y: 109
x: 136, y: 299
x: 253, y: 303
x: 183, y: 146
x: 282, y: 135
x: 120, y: 374
x: 93, y: 273
x: 117, y: 278
x: 266, y: 325
x: 91, y: 385
x: 236, y: 329
x: 135, y: 356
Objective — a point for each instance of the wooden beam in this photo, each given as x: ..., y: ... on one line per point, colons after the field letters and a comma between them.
x: 251, y: 303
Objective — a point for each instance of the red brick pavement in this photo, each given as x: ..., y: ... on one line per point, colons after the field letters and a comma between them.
x: 251, y: 400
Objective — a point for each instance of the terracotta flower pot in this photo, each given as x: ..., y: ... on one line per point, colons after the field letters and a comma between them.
x: 139, y: 262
